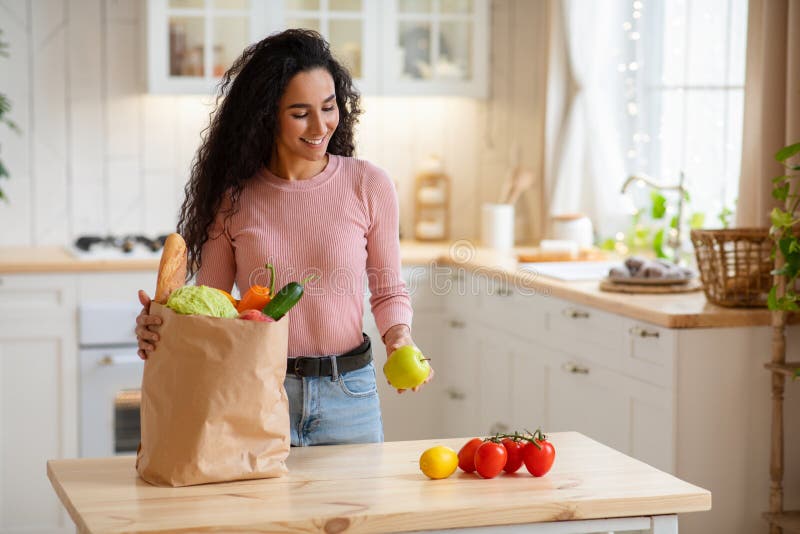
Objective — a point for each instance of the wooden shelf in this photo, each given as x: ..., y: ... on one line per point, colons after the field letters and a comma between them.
x: 788, y: 521
x: 788, y: 368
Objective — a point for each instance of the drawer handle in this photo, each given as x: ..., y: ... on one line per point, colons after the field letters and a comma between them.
x: 457, y: 324
x: 575, y: 369
x: 573, y: 313
x: 454, y: 394
x: 504, y: 292
x: 643, y: 332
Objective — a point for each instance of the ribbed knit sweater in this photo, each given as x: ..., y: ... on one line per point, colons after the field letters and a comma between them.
x: 341, y: 225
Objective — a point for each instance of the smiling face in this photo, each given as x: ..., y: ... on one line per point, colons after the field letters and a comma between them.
x: 307, y: 118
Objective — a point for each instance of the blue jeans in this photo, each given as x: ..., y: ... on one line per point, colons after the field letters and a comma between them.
x: 331, y: 410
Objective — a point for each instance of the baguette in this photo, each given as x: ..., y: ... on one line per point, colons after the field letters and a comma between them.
x: 172, y: 268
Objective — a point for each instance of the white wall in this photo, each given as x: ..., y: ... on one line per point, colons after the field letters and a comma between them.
x: 98, y: 154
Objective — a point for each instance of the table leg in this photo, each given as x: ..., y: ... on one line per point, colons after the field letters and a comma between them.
x: 665, y: 524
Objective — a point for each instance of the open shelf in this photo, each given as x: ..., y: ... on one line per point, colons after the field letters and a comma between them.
x: 787, y: 368
x: 788, y: 521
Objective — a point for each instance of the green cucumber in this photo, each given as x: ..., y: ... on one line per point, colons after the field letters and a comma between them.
x: 287, y: 297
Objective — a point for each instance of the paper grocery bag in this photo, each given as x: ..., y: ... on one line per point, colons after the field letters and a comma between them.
x: 213, y: 404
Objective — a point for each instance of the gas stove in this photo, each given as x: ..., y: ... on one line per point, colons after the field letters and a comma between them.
x: 92, y: 247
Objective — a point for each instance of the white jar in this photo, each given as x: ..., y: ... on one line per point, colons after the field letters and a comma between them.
x: 575, y: 227
x: 497, y: 226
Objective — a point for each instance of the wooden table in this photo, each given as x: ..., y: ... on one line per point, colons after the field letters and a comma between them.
x: 379, y: 488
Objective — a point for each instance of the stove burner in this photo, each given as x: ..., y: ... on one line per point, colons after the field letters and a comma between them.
x: 125, y: 244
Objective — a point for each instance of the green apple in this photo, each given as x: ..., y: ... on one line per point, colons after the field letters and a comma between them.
x: 406, y: 367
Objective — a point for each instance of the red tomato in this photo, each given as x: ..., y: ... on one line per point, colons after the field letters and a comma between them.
x: 539, y: 461
x: 466, y: 456
x: 490, y: 458
x: 514, y: 450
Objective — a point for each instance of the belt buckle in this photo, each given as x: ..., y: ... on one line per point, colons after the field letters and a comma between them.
x: 297, y: 370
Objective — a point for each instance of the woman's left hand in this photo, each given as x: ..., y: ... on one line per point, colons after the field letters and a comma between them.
x: 399, y: 336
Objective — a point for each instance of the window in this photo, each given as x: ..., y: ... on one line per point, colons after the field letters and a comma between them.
x: 683, y: 70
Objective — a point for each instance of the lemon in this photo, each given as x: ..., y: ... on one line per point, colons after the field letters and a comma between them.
x: 438, y: 462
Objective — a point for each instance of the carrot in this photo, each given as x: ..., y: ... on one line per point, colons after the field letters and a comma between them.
x: 258, y: 296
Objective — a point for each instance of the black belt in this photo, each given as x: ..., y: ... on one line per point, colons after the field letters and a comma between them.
x: 324, y: 365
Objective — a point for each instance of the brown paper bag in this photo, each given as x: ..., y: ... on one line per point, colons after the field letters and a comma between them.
x: 213, y: 404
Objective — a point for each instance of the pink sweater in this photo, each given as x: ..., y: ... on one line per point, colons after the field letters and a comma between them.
x: 341, y: 225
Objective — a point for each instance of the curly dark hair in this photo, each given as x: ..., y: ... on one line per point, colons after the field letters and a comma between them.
x: 240, y: 136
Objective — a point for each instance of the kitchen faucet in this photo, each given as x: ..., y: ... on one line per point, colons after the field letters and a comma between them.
x: 674, y: 240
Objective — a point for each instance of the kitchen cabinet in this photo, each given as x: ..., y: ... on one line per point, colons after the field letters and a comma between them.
x: 39, y: 384
x: 411, y: 415
x: 191, y: 43
x: 38, y: 397
x: 520, y: 360
x: 394, y: 47
x: 436, y: 47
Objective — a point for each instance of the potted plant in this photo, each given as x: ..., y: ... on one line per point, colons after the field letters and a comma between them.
x: 783, y: 298
x: 785, y: 232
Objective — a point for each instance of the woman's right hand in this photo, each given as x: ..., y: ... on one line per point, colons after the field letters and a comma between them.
x: 146, y: 327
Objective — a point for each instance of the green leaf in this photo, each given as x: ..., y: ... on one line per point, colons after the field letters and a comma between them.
x: 787, y: 304
x: 697, y: 220
x: 787, y: 152
x: 772, y: 298
x: 673, y: 223
x: 658, y: 242
x: 782, y: 178
x: 797, y: 373
x: 780, y: 218
x: 780, y: 193
x: 725, y: 216
x: 659, y: 205
x: 686, y: 196
x: 609, y: 244
x: 3, y: 171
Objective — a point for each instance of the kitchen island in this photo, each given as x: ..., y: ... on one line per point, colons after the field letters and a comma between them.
x: 379, y: 488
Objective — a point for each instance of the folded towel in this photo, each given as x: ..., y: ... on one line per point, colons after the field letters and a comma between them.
x: 637, y: 267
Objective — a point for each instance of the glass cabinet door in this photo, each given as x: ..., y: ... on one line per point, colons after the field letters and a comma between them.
x: 192, y: 43
x: 206, y: 36
x: 437, y: 47
x: 349, y: 27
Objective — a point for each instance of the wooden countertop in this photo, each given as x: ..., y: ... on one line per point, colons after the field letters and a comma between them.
x: 374, y: 488
x: 53, y: 259
x: 684, y: 310
x: 679, y: 310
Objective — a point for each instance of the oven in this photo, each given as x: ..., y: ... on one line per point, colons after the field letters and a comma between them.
x: 110, y: 379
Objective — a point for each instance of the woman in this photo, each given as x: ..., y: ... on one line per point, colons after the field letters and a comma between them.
x: 275, y: 181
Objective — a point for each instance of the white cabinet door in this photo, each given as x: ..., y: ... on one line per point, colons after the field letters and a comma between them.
x: 512, y: 383
x: 589, y: 399
x: 457, y: 377
x: 38, y: 398
x: 411, y: 415
x: 35, y: 423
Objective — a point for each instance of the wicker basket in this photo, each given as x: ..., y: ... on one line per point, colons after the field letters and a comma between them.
x: 735, y: 265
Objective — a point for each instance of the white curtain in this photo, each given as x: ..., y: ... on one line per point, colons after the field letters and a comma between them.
x: 771, y: 103
x: 586, y: 165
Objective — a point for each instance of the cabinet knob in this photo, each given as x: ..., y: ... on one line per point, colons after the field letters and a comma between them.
x: 455, y: 323
x: 575, y: 369
x: 574, y: 313
x: 454, y: 394
x: 643, y: 332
